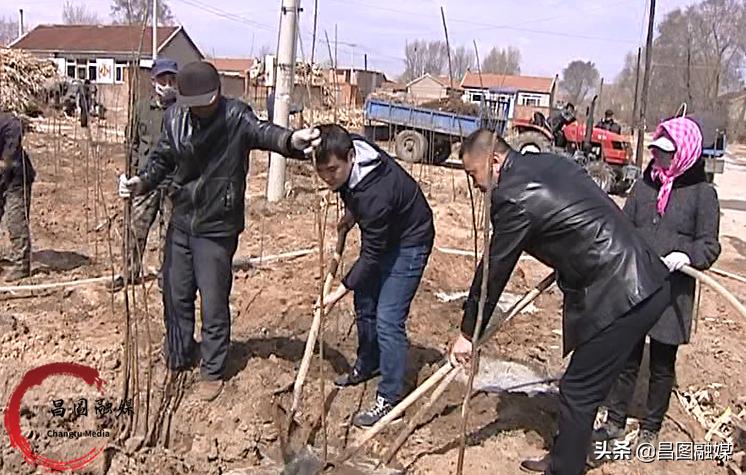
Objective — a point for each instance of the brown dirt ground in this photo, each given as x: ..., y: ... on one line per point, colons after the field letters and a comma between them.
x: 272, y: 308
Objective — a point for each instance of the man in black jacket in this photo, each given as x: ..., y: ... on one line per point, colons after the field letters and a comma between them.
x: 615, y: 285
x: 16, y: 177
x: 205, y: 143
x: 396, y: 225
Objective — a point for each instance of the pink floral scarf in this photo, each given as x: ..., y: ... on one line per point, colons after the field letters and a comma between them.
x: 686, y: 135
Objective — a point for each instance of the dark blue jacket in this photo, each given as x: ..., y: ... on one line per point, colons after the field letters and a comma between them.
x: 390, y: 209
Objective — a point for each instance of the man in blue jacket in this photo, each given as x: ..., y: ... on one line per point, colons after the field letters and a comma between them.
x: 396, y: 225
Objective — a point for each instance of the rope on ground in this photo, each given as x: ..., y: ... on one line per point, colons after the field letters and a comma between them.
x: 237, y: 262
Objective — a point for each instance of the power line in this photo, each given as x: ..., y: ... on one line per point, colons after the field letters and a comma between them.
x: 224, y: 14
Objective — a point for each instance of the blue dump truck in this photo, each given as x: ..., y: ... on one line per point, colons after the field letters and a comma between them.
x: 423, y: 135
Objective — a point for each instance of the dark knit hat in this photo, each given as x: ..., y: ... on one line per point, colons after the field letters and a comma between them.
x: 198, y: 83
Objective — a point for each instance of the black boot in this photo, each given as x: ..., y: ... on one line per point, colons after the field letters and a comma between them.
x: 354, y: 378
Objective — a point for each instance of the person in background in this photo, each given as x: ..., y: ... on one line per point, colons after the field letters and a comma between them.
x: 608, y: 123
x: 205, y: 142
x: 614, y: 285
x: 396, y: 225
x: 16, y: 178
x: 677, y: 212
x: 146, y: 208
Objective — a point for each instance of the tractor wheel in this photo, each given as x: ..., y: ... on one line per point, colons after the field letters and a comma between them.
x: 530, y: 142
x: 410, y: 146
x: 601, y: 174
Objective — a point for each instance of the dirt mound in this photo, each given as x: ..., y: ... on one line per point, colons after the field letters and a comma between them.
x: 452, y: 104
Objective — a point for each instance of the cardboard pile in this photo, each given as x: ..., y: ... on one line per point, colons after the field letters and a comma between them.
x: 22, y: 80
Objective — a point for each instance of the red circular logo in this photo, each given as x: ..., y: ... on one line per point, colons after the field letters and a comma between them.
x: 12, y: 421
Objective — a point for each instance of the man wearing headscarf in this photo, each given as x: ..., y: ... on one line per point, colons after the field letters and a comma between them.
x: 677, y: 212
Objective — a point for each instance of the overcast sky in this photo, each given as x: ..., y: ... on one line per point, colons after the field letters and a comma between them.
x: 549, y: 33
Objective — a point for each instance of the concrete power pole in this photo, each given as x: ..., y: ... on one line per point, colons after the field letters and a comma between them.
x: 283, y: 92
x: 645, y: 84
x: 20, y: 22
x: 155, y: 29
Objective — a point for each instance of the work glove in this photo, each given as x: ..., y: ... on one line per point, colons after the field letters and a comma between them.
x: 676, y: 260
x: 130, y: 186
x: 306, y: 140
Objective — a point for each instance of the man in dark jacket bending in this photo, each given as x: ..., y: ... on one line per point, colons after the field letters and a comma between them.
x: 396, y: 225
x: 205, y: 143
x: 615, y: 285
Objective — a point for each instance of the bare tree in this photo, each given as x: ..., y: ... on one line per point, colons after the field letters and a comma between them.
x: 8, y: 30
x: 462, y: 60
x: 502, y: 61
x: 133, y: 12
x: 78, y: 14
x: 424, y: 57
x: 579, y: 79
x: 697, y: 56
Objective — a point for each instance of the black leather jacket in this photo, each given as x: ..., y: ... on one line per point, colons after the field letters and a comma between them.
x: 210, y: 160
x: 550, y: 208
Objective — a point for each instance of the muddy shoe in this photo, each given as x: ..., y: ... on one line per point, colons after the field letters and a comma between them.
x: 191, y: 363
x: 538, y: 466
x: 373, y: 415
x: 209, y: 390
x: 118, y: 283
x: 14, y: 275
x: 608, y: 431
x: 646, y: 437
x: 354, y: 377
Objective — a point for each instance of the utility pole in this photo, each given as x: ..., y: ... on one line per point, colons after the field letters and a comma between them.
x: 637, y: 88
x: 20, y: 22
x: 645, y: 84
x: 283, y: 92
x: 365, y: 62
x: 155, y: 30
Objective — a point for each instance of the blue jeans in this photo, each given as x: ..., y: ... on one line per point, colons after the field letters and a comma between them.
x: 381, y: 309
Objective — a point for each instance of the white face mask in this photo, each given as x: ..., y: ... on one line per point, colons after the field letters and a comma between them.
x: 166, y: 93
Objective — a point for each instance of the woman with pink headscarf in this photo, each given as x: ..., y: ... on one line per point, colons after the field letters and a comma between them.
x: 677, y: 212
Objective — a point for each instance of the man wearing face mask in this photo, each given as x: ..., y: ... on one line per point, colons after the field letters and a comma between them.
x: 205, y: 143
x: 147, y: 130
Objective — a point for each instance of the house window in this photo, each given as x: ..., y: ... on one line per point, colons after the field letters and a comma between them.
x: 533, y: 100
x: 92, y: 70
x: 119, y: 68
x: 70, y: 68
x: 476, y: 97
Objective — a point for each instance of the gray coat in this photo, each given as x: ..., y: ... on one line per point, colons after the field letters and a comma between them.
x: 690, y: 225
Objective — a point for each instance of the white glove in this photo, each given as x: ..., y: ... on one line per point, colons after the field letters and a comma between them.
x: 676, y: 260
x: 129, y: 186
x: 306, y: 140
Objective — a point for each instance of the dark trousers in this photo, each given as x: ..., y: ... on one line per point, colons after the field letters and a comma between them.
x: 594, y: 367
x: 381, y: 309
x: 662, y: 377
x: 197, y: 263
x: 15, y: 204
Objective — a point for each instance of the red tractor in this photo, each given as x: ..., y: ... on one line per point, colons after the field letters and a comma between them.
x: 607, y: 156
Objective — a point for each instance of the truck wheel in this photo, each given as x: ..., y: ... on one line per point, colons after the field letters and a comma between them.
x: 530, y: 142
x: 601, y: 174
x: 410, y: 146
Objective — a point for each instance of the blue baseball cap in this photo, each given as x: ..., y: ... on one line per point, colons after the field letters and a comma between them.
x: 164, y: 66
